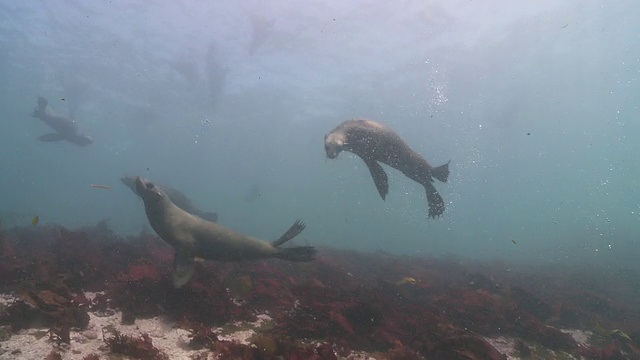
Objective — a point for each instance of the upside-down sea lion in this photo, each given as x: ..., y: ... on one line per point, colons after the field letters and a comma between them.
x: 177, y: 197
x: 192, y: 237
x: 65, y: 128
x: 373, y: 143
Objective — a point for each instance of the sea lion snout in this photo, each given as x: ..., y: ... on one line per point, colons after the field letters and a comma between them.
x: 332, y: 152
x: 147, y: 190
x: 143, y: 185
x: 333, y: 145
x: 130, y: 181
x: 140, y: 183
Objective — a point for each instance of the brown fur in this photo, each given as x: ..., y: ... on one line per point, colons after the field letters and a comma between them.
x: 373, y: 143
x: 192, y: 236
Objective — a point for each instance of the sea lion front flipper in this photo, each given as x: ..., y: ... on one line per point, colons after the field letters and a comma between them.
x: 41, y: 110
x: 379, y: 177
x: 183, y: 267
x: 51, y: 137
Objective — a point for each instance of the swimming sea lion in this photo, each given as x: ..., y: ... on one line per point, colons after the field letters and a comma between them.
x: 373, y: 143
x: 177, y: 197
x: 65, y: 128
x: 193, y: 237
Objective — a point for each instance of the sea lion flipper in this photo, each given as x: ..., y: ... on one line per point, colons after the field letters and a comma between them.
x: 183, y: 267
x: 41, y: 110
x: 379, y: 177
x: 441, y: 172
x: 297, y: 253
x: 42, y: 102
x: 293, y: 231
x: 436, y: 204
x: 51, y: 137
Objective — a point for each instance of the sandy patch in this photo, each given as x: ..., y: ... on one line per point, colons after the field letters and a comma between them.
x: 173, y: 341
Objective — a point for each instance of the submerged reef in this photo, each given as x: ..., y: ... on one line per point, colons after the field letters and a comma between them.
x: 387, y: 306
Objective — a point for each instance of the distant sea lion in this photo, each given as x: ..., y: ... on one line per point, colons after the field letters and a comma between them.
x: 373, y: 143
x: 193, y: 237
x: 65, y: 128
x: 261, y: 29
x: 177, y: 197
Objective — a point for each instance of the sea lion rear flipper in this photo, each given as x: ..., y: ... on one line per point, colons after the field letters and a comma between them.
x: 40, y: 110
x: 436, y: 204
x: 441, y: 172
x: 297, y: 253
x: 379, y: 177
x: 51, y: 137
x: 293, y: 231
x: 42, y: 102
x: 183, y: 267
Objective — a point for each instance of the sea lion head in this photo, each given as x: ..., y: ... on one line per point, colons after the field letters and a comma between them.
x: 334, y: 143
x: 149, y: 192
x: 130, y: 181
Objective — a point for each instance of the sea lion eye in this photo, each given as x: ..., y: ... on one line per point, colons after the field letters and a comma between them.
x: 149, y: 185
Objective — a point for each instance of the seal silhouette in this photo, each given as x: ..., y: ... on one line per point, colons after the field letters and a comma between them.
x: 375, y: 143
x: 65, y: 128
x: 192, y: 236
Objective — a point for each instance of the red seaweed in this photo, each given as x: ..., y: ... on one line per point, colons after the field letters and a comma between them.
x: 140, y: 347
x: 399, y: 307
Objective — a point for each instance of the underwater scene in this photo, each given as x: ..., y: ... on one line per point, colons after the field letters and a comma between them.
x: 308, y: 180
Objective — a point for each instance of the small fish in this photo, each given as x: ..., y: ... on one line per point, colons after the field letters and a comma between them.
x: 35, y: 219
x: 407, y: 280
x: 98, y: 186
x: 513, y: 241
x: 198, y: 259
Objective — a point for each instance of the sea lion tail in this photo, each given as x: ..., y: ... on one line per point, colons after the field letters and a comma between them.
x: 293, y: 231
x: 297, y: 253
x: 294, y: 253
x: 436, y: 204
x: 441, y: 172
